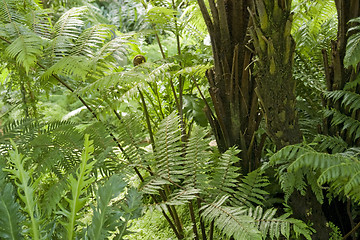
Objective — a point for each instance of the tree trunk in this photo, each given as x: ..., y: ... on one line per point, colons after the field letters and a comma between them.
x: 336, y: 78
x: 231, y: 86
x: 276, y: 86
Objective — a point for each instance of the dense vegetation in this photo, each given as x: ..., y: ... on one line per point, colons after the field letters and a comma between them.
x: 149, y: 119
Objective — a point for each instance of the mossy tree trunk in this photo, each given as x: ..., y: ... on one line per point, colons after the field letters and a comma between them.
x: 274, y: 46
x: 236, y: 115
x: 275, y: 83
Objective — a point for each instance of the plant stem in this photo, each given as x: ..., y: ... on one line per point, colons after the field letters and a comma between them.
x: 351, y: 232
x: 211, y: 233
x: 202, y: 225
x: 192, y: 215
x: 147, y: 117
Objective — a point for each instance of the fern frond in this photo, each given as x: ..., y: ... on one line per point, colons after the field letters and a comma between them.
x: 132, y: 135
x: 91, y: 39
x: 105, y: 217
x: 198, y: 70
x: 25, y: 49
x: 113, y: 52
x: 347, y: 123
x: 72, y: 66
x: 65, y: 29
x: 273, y: 227
x: 26, y: 186
x: 225, y: 174
x: 161, y: 71
x: 234, y: 222
x: 316, y: 160
x: 197, y: 159
x: 78, y: 185
x: 291, y: 180
x: 353, y: 46
x: 243, y: 223
x: 168, y: 149
x: 249, y: 192
x: 350, y: 100
x: 10, y: 215
x: 334, y: 143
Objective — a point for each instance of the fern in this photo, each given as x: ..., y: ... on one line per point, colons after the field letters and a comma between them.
x: 10, y: 215
x: 25, y: 49
x: 72, y: 66
x: 335, y: 144
x: 224, y: 179
x: 26, y: 186
x: 243, y: 223
x: 250, y: 191
x: 347, y: 123
x: 167, y: 154
x: 231, y: 221
x: 353, y: 47
x: 106, y: 217
x: 197, y: 159
x: 78, y: 184
x: 339, y: 170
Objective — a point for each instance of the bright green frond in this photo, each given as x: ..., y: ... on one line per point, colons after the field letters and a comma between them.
x: 25, y: 49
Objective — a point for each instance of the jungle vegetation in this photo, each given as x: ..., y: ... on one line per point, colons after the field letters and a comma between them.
x: 191, y: 119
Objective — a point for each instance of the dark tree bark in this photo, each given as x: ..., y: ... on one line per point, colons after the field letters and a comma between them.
x: 231, y: 86
x: 337, y: 76
x: 276, y: 87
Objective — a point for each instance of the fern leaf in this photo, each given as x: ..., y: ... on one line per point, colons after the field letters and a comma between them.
x: 234, y: 222
x: 347, y: 123
x: 334, y: 143
x: 225, y: 173
x: 25, y: 49
x: 78, y: 185
x: 72, y: 66
x: 197, y: 159
x: 353, y: 47
x: 90, y: 39
x: 10, y: 215
x: 103, y: 222
x: 350, y: 100
x: 168, y: 149
x: 316, y: 160
x: 26, y: 189
x: 250, y: 190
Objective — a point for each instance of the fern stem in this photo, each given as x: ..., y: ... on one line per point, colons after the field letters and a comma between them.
x: 211, y: 232
x: 192, y: 215
x: 202, y: 225
x: 147, y: 117
x: 171, y: 225
x: 351, y: 232
x: 175, y: 214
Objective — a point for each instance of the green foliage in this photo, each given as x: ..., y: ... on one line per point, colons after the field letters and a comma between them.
x: 11, y: 218
x: 26, y: 186
x: 109, y: 218
x: 78, y: 185
x: 339, y: 170
x: 353, y: 47
x: 180, y: 173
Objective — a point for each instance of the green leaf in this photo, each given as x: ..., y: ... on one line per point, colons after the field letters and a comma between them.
x: 352, y: 55
x: 25, y: 49
x: 10, y: 215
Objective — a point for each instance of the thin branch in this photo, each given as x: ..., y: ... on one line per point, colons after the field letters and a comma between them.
x: 351, y: 232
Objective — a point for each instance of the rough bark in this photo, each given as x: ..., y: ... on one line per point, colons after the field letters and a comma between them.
x: 275, y: 47
x: 236, y: 115
x: 336, y: 76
